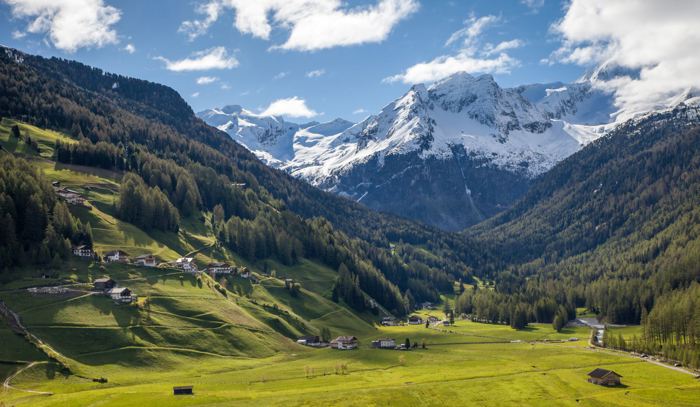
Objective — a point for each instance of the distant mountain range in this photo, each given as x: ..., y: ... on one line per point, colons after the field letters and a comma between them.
x: 450, y: 154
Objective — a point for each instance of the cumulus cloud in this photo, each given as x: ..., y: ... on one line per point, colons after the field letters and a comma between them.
x: 471, y: 56
x: 290, y: 107
x: 213, y: 58
x: 316, y: 73
x: 70, y: 24
x: 206, y: 80
x: 655, y: 40
x: 130, y: 48
x: 312, y: 24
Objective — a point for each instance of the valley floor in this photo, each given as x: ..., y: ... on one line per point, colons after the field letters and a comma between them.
x: 467, y: 364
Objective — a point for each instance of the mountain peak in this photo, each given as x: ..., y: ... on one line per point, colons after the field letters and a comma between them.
x: 231, y: 109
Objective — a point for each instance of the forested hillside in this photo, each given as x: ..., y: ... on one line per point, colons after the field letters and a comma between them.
x: 36, y: 227
x: 178, y: 167
x: 612, y: 228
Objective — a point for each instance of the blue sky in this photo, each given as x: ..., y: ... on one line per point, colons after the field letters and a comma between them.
x: 254, y: 68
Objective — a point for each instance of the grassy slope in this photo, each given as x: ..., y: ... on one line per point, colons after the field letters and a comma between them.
x: 46, y: 139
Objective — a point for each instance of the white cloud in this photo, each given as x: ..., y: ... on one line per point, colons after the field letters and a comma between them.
x: 225, y: 86
x: 213, y: 58
x: 70, y: 24
x: 470, y: 57
x: 291, y: 107
x: 130, y: 48
x: 17, y: 35
x: 312, y: 24
x: 472, y: 31
x: 195, y: 28
x: 491, y: 49
x: 280, y: 75
x: 206, y: 80
x: 657, y: 39
x: 533, y: 5
x: 360, y: 110
x: 195, y: 95
x: 316, y: 73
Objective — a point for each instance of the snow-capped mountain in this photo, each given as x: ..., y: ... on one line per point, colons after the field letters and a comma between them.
x: 449, y: 154
x: 271, y: 138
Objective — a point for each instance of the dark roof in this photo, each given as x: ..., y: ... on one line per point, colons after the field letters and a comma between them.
x: 309, y: 338
x: 182, y: 387
x: 218, y: 264
x: 601, y: 373
x: 83, y: 246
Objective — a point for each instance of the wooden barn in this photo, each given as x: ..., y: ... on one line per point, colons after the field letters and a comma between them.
x: 103, y: 284
x: 604, y: 377
x: 183, y: 390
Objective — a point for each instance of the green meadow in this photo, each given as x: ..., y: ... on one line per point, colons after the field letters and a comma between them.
x: 232, y: 360
x: 184, y: 332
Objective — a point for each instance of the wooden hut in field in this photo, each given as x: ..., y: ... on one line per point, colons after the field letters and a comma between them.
x: 604, y: 377
x: 183, y: 390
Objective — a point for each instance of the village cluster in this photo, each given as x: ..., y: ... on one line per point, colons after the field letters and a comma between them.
x: 351, y: 342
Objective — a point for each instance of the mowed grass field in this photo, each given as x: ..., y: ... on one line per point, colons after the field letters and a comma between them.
x: 498, y: 374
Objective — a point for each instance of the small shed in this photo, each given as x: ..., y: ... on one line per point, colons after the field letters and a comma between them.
x: 314, y: 340
x: 183, y: 390
x: 415, y: 320
x: 104, y: 284
x: 384, y: 343
x: 604, y: 377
